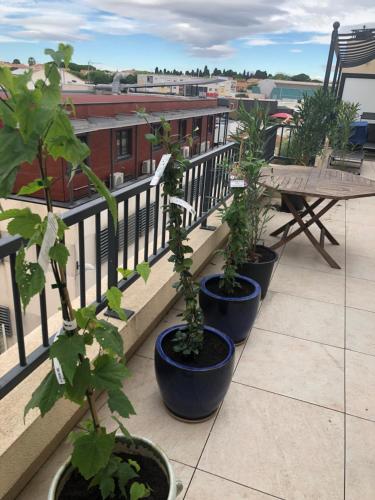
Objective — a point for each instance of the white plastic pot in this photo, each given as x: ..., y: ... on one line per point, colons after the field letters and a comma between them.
x: 139, y: 446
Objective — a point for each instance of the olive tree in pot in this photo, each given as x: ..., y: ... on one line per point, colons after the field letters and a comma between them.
x: 103, y: 463
x: 193, y: 361
x: 259, y: 261
x: 229, y: 300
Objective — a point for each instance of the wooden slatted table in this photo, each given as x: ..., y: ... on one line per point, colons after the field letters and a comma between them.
x: 320, y: 183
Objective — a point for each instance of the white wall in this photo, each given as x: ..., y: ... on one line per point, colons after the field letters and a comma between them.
x: 361, y: 90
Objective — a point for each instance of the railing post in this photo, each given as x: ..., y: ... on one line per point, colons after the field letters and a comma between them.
x: 336, y: 26
x: 207, y: 189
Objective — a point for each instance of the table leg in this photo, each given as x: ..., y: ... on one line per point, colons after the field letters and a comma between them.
x: 304, y: 227
x: 293, y: 221
x: 321, y: 226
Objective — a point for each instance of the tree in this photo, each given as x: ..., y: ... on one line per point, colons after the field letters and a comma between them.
x: 281, y: 76
x: 206, y: 71
x: 31, y: 61
x: 156, y: 70
x: 301, y: 77
x: 260, y: 74
x: 16, y: 61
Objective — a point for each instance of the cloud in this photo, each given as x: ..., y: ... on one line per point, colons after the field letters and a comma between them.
x: 204, y: 29
x: 260, y: 42
x: 295, y: 51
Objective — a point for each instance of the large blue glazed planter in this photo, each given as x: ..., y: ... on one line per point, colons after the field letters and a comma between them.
x: 193, y: 393
x: 234, y: 316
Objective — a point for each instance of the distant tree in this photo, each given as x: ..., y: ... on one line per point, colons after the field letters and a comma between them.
x: 206, y: 71
x: 164, y: 71
x: 244, y: 73
x: 130, y: 79
x: 99, y: 76
x: 16, y: 61
x: 281, y: 76
x: 31, y: 61
x: 260, y: 74
x: 316, y: 80
x: 301, y: 77
x: 156, y: 70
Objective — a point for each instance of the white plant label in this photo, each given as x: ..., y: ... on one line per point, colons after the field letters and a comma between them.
x: 160, y: 170
x: 56, y: 364
x: 237, y: 183
x: 69, y: 326
x: 48, y: 241
x: 182, y: 203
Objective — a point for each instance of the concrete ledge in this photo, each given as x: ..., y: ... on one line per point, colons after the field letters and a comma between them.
x: 24, y: 447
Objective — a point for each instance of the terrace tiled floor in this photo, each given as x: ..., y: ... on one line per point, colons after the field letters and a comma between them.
x: 299, y: 419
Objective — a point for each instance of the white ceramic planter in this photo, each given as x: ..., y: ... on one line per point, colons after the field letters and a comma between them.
x: 140, y: 446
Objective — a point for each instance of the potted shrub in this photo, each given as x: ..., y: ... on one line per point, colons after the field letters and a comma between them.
x: 259, y: 261
x: 103, y: 464
x: 230, y: 301
x: 341, y: 131
x: 193, y: 362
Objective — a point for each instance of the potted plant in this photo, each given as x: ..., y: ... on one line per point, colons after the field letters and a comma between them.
x: 230, y: 301
x: 103, y: 464
x: 193, y: 362
x: 341, y: 131
x: 260, y: 259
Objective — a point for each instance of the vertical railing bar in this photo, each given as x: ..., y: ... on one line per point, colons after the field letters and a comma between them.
x: 82, y: 271
x: 136, y: 237
x: 126, y: 235
x: 186, y: 192
x: 98, y: 260
x: 147, y: 224
x: 203, y: 190
x: 164, y: 222
x: 43, y: 311
x: 281, y: 139
x: 156, y: 219
x: 198, y: 191
x: 17, y: 312
x: 193, y: 170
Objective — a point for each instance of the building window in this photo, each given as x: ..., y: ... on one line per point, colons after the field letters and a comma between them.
x: 197, y: 127
x: 182, y: 129
x: 124, y: 143
x: 157, y: 130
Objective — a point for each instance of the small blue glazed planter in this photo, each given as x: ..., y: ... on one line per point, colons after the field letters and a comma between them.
x: 234, y: 316
x: 193, y: 393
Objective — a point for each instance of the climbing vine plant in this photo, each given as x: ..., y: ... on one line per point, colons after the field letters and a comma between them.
x: 35, y: 126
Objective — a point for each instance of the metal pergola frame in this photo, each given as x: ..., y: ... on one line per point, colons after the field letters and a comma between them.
x: 349, y: 50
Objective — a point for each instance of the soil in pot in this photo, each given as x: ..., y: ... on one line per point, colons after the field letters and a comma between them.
x: 76, y: 487
x: 213, y: 352
x: 242, y: 290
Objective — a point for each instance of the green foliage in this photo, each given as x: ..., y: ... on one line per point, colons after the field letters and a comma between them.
x: 189, y: 341
x: 143, y: 269
x: 114, y: 297
x: 36, y: 125
x: 340, y: 132
x: 138, y: 490
x: 251, y: 133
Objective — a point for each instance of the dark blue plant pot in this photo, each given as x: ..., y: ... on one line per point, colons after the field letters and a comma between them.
x: 260, y: 272
x: 193, y: 393
x: 233, y: 315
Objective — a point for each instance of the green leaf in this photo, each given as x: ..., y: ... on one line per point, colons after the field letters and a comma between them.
x: 151, y: 138
x: 6, y: 79
x: 143, y: 269
x: 108, y: 337
x: 66, y: 350
x: 114, y: 297
x: 81, y: 382
x: 92, y: 452
x: 84, y: 315
x: 59, y: 253
x: 108, y: 374
x: 122, y: 428
x: 134, y: 464
x: 125, y: 273
x: 118, y: 401
x: 103, y: 191
x: 106, y: 486
x: 34, y: 186
x: 24, y: 223
x: 62, y: 227
x: 29, y: 277
x: 7, y: 182
x: 46, y: 395
x: 138, y: 490
x: 125, y: 473
x: 62, y: 55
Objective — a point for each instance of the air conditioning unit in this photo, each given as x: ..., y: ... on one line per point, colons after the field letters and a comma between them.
x: 205, y: 146
x: 148, y: 167
x: 117, y: 179
x: 186, y: 152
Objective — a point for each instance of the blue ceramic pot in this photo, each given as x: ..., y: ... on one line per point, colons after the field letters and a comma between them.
x: 260, y: 272
x: 189, y: 392
x: 233, y: 315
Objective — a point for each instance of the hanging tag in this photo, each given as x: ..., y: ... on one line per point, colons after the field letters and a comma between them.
x: 69, y: 326
x: 56, y: 364
x: 48, y: 241
x: 182, y: 203
x: 237, y: 183
x: 160, y: 170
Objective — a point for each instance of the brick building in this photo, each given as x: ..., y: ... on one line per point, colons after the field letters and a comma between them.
x: 116, y: 136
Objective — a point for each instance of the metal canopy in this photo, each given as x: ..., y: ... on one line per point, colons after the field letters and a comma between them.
x: 350, y: 49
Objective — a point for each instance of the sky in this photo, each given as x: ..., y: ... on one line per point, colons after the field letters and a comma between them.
x: 290, y: 36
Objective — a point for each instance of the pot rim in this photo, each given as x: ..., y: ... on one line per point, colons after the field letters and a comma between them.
x: 276, y: 256
x: 182, y: 366
x: 215, y: 296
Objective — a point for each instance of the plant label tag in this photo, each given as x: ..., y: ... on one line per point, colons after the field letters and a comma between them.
x: 237, y: 183
x: 69, y: 326
x: 182, y: 203
x: 160, y: 170
x: 48, y: 241
x: 57, y: 366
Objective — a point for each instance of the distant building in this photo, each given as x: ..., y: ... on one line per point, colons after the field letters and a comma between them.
x: 109, y: 125
x: 286, y: 90
x: 69, y: 82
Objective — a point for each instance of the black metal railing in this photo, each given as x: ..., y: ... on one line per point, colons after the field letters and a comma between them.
x: 278, y: 142
x: 205, y: 186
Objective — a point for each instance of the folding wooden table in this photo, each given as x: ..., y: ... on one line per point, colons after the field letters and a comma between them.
x: 321, y: 183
